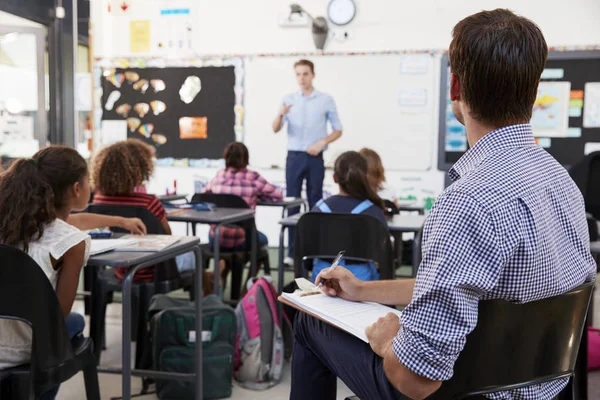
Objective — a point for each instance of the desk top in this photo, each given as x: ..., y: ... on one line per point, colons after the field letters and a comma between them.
x: 130, y: 258
x: 167, y: 198
x: 400, y: 223
x: 287, y: 202
x: 217, y: 216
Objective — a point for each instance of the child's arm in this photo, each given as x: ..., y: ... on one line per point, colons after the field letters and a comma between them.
x: 68, y: 276
x: 267, y: 191
x: 85, y: 221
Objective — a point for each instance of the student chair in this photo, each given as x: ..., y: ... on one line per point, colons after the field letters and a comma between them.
x: 104, y: 282
x: 519, y: 345
x: 232, y: 201
x: 586, y: 174
x: 26, y: 295
x: 363, y: 237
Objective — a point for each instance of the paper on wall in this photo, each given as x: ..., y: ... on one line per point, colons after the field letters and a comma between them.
x: 113, y: 132
x: 550, y: 116
x: 591, y: 107
x: 416, y: 97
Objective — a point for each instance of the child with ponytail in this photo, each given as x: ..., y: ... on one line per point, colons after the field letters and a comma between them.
x: 37, y: 196
x: 356, y: 196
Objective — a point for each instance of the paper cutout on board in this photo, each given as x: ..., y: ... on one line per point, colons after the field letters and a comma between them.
x: 575, y: 112
x: 139, y: 36
x: 146, y: 130
x: 591, y: 109
x: 193, y: 128
x: 132, y: 77
x: 112, y: 99
x: 190, y: 89
x: 113, y: 132
x: 415, y: 97
x: 158, y: 85
x: 550, y: 116
x: 175, y: 30
x: 123, y: 110
x: 553, y: 73
x: 116, y: 79
x: 141, y: 86
x: 574, y: 132
x: 158, y: 107
x: 133, y: 124
x: 544, y: 142
x: 141, y: 109
x: 414, y: 64
x: 159, y: 139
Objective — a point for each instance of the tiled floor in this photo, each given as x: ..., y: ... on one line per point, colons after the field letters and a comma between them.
x: 110, y: 385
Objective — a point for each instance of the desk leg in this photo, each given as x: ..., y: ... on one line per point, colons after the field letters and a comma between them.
x: 217, y: 259
x: 280, y: 268
x: 199, y: 376
x: 126, y: 335
x: 254, y: 251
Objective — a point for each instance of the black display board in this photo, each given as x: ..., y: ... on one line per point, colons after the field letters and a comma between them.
x: 580, y: 67
x: 215, y: 102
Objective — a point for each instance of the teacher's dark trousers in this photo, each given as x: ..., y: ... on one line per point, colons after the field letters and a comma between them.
x: 301, y: 166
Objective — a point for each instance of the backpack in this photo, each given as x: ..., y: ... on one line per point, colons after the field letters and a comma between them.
x: 260, y: 345
x: 364, y: 272
x: 173, y: 335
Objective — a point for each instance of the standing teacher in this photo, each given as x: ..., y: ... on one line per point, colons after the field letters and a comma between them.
x: 306, y: 113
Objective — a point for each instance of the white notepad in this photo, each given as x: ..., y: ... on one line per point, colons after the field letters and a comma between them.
x: 100, y: 246
x: 349, y: 316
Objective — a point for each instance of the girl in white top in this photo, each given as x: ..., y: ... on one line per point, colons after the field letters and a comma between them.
x: 36, y: 197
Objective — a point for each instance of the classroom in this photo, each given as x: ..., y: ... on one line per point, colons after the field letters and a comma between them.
x: 325, y: 199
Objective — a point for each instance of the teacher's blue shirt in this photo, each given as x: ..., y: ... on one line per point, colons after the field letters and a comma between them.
x: 307, y: 119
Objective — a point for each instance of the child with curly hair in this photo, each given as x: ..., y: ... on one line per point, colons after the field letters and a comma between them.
x: 117, y: 171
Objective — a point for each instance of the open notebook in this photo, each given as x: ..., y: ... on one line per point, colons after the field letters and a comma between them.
x: 349, y: 316
x: 100, y: 246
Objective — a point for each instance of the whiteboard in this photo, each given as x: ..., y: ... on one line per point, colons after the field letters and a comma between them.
x: 387, y: 102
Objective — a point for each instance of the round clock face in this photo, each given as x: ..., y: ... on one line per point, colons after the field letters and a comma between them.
x: 341, y: 12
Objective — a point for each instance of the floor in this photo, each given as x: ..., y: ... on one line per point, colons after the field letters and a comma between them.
x: 110, y: 385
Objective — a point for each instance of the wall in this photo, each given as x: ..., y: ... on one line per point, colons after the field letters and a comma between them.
x: 238, y: 26
x: 245, y: 27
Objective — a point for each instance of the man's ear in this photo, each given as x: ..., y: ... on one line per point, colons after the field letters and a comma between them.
x: 335, y: 178
x: 454, y: 87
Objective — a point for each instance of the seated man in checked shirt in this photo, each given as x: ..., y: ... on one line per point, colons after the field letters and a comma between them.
x: 512, y: 226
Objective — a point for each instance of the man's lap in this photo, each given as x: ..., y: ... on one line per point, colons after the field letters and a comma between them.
x: 346, y: 356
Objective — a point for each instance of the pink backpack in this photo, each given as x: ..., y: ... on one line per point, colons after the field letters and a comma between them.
x: 593, y: 348
x: 259, y: 348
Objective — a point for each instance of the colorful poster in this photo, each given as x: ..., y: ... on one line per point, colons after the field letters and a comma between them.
x: 591, y: 108
x: 456, y: 133
x: 551, y: 109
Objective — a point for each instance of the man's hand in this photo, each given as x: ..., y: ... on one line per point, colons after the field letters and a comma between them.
x: 341, y: 283
x: 134, y: 225
x: 382, y: 332
x: 284, y: 110
x: 316, y: 148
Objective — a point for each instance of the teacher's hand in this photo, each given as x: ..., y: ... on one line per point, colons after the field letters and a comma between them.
x: 284, y: 110
x: 316, y: 148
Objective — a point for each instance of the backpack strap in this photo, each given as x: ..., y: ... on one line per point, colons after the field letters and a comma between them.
x: 362, y: 207
x: 321, y: 205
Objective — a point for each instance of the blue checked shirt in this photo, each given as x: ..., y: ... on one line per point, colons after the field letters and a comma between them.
x: 307, y: 119
x: 513, y: 227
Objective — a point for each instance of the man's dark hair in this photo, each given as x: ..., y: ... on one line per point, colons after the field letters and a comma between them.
x: 236, y: 155
x: 306, y: 63
x: 498, y: 58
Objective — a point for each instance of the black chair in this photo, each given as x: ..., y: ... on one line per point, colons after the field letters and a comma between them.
x: 104, y: 283
x: 519, y: 345
x: 389, y: 208
x: 26, y: 295
x: 363, y: 237
x: 232, y: 258
x: 586, y: 174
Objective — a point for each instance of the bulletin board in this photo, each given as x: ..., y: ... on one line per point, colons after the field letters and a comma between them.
x: 184, y: 112
x: 566, y: 116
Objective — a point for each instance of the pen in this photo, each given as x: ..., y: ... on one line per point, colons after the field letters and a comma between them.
x: 334, y: 265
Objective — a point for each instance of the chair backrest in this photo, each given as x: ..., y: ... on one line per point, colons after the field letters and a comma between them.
x: 519, y: 345
x: 227, y: 201
x: 165, y: 272
x: 586, y: 174
x: 389, y: 208
x: 361, y: 236
x: 27, y: 295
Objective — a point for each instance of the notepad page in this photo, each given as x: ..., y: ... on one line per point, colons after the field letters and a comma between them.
x: 353, y: 317
x: 104, y: 245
